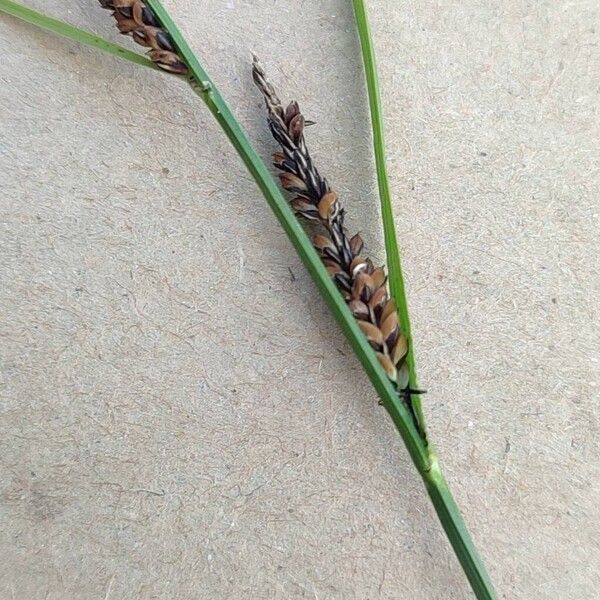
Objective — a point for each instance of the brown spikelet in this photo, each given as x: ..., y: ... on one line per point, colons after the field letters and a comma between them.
x: 388, y: 366
x: 292, y: 182
x: 356, y: 244
x: 326, y: 205
x: 378, y: 299
x: 363, y: 285
x: 400, y: 350
x: 305, y: 208
x: 136, y: 19
x: 389, y: 308
x: 379, y: 277
x: 359, y: 309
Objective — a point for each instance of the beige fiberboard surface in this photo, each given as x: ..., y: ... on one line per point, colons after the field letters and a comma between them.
x: 181, y: 418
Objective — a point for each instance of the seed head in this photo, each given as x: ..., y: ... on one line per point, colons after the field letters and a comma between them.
x: 136, y: 19
x: 362, y: 284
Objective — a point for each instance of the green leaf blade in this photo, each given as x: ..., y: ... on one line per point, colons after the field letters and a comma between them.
x: 392, y: 250
x: 72, y: 33
x: 437, y: 488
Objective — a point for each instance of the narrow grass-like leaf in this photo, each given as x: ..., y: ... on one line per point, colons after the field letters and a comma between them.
x: 436, y: 485
x: 396, y: 277
x: 72, y: 33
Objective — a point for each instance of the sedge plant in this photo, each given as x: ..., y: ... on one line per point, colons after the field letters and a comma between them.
x: 368, y: 303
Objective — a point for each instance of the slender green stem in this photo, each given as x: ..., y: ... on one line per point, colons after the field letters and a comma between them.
x: 443, y: 502
x: 72, y: 33
x: 396, y: 277
x: 456, y: 530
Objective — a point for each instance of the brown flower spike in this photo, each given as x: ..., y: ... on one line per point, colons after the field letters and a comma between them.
x: 135, y: 18
x: 362, y: 284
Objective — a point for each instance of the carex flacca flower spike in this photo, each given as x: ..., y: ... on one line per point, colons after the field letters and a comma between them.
x: 136, y: 19
x: 363, y: 285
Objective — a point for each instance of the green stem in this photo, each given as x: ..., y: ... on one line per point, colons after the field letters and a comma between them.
x: 437, y: 488
x: 456, y: 530
x: 72, y: 33
x: 396, y: 277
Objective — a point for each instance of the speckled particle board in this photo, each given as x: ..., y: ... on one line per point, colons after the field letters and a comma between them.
x: 180, y: 416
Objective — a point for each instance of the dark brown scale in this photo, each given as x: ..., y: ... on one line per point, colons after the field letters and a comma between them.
x: 164, y: 40
x: 328, y: 252
x: 393, y: 337
x: 149, y: 18
x: 344, y: 281
x: 289, y: 166
x: 375, y: 346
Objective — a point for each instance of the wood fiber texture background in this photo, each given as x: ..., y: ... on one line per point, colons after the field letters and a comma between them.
x: 181, y: 418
